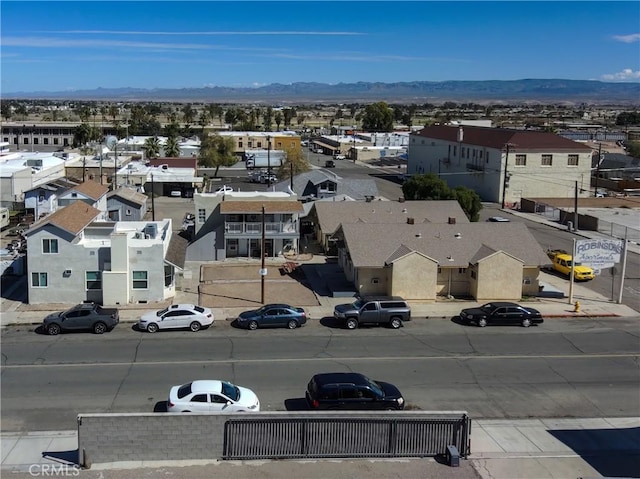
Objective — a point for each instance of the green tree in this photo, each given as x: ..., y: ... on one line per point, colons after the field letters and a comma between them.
x: 294, y: 161
x: 278, y: 119
x: 289, y: 114
x: 172, y: 147
x: 633, y: 148
x: 217, y: 151
x: 377, y: 117
x: 426, y: 187
x: 430, y: 187
x: 188, y: 114
x: 469, y: 202
x: 81, y: 135
x: 5, y: 110
x: 268, y: 118
x: 152, y: 147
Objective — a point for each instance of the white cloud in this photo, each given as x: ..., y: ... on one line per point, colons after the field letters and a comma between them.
x: 285, y: 32
x: 48, y: 42
x: 634, y: 37
x: 625, y: 75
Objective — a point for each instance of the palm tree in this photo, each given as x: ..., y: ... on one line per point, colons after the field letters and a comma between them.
x: 172, y: 147
x: 152, y: 147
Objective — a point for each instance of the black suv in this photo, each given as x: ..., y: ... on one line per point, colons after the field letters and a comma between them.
x: 351, y: 391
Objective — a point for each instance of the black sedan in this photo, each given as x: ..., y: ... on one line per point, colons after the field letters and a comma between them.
x: 273, y: 316
x: 501, y: 313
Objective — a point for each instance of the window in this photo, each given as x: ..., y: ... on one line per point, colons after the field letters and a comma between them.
x: 473, y: 274
x: 55, y: 141
x: 39, y: 280
x: 521, y: 160
x: 202, y: 215
x: 140, y: 280
x: 572, y: 160
x: 49, y: 246
x: 199, y: 398
x: 35, y: 141
x: 239, y: 143
x: 455, y: 149
x: 93, y: 280
x: 168, y: 275
x: 462, y: 270
x: 46, y: 141
x: 547, y: 160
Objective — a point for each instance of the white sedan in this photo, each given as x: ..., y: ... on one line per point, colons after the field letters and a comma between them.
x: 212, y: 396
x: 176, y: 316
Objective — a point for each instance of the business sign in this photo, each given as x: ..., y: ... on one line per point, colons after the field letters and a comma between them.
x: 598, y: 253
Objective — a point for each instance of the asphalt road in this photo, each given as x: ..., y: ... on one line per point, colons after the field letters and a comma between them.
x: 563, y: 368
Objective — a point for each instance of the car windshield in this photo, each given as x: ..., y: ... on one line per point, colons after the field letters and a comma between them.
x: 487, y: 307
x: 231, y: 391
x: 375, y: 387
x: 577, y: 263
x: 358, y: 304
x: 162, y: 311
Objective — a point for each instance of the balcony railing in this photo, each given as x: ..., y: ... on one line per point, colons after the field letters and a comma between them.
x: 255, y: 228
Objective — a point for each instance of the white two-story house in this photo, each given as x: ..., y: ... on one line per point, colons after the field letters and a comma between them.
x: 72, y: 258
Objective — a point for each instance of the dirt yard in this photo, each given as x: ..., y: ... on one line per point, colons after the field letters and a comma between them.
x: 235, y: 286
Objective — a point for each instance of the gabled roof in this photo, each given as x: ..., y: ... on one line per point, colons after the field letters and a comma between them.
x: 374, y: 245
x: 253, y: 207
x: 332, y: 214
x: 72, y: 218
x: 357, y: 188
x: 91, y: 189
x: 130, y: 195
x: 177, y: 251
x: 497, y: 138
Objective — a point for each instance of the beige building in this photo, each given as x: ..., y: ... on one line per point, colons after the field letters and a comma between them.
x: 499, y: 162
x: 252, y: 140
x: 422, y: 261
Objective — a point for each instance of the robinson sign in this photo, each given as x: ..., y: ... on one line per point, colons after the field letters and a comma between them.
x: 599, y: 253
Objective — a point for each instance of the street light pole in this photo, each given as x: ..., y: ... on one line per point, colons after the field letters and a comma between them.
x: 506, y: 174
x: 263, y: 271
x: 268, y: 161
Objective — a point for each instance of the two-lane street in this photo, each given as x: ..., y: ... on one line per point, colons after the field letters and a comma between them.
x: 563, y: 368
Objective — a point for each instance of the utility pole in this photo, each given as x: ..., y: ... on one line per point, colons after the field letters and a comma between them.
x: 595, y: 185
x: 291, y: 175
x: 575, y: 208
x: 505, y: 182
x: 263, y: 271
x: 153, y: 205
x: 268, y: 162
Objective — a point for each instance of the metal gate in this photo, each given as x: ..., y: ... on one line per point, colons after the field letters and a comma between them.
x: 326, y: 437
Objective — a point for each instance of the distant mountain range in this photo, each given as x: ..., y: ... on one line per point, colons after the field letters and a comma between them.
x: 419, y: 92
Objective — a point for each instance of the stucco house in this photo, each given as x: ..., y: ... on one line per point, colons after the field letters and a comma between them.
x: 327, y: 216
x: 43, y: 199
x: 126, y: 204
x: 229, y: 225
x: 502, y: 163
x: 72, y: 258
x: 88, y: 192
x: 421, y: 261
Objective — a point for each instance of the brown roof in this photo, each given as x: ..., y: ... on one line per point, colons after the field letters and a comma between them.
x: 72, y: 218
x: 374, y: 245
x: 270, y: 206
x: 331, y: 214
x: 177, y: 251
x: 91, y: 189
x: 520, y: 140
x: 175, y: 162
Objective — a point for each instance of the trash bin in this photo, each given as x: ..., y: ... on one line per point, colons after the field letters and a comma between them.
x: 453, y: 456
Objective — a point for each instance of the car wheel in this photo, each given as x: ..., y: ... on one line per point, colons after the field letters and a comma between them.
x: 526, y: 322
x: 99, y: 328
x: 195, y: 326
x: 152, y: 327
x: 352, y: 323
x: 53, y: 329
x: 293, y: 324
x: 253, y: 325
x: 395, y: 323
x: 482, y: 322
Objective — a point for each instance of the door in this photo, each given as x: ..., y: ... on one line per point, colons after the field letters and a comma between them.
x: 199, y: 403
x: 370, y: 313
x: 351, y: 397
x: 172, y: 320
x: 220, y: 403
x: 515, y: 315
x: 272, y: 317
x: 499, y: 316
x: 71, y: 321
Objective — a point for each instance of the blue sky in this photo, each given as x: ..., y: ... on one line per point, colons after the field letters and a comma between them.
x: 58, y: 46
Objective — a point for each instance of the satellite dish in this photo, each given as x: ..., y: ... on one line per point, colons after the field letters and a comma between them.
x: 111, y: 141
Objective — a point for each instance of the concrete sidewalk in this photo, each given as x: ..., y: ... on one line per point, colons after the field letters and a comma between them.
x: 509, y: 448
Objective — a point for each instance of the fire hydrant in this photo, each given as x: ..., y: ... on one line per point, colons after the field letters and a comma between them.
x: 576, y: 307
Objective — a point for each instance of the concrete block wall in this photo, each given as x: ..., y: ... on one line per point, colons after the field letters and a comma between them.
x: 104, y: 438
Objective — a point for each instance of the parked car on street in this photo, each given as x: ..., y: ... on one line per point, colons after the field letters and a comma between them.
x: 389, y: 310
x: 82, y: 317
x: 212, y: 396
x: 351, y: 391
x: 501, y: 313
x: 329, y: 164
x: 340, y: 157
x: 273, y: 316
x: 176, y: 316
x: 499, y: 219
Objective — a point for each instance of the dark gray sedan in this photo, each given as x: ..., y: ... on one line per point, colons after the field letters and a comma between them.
x: 501, y: 313
x: 273, y: 316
